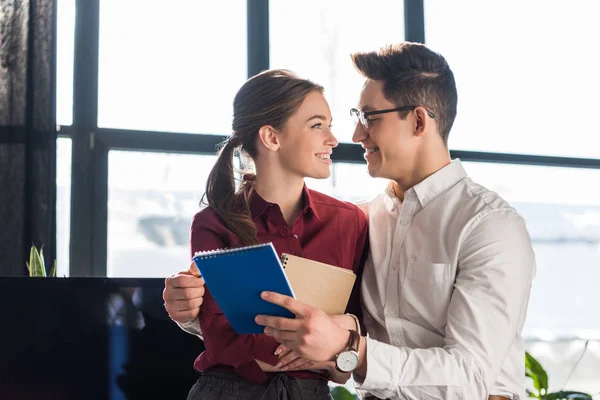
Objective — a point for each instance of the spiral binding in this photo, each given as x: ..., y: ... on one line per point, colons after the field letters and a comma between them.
x: 218, y: 252
x: 284, y: 260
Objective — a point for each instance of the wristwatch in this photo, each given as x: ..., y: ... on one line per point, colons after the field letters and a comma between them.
x: 348, y: 360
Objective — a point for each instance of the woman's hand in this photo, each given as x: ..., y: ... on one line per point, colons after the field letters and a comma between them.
x: 290, y: 360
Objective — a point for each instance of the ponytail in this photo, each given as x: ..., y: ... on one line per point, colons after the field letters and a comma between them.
x: 233, y: 208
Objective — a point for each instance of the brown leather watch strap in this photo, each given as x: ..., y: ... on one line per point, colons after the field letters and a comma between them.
x: 354, y: 340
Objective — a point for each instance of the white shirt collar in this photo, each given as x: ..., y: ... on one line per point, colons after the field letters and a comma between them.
x: 435, y: 184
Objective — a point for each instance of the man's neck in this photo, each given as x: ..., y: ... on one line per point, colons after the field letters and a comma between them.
x: 285, y: 191
x: 429, y: 164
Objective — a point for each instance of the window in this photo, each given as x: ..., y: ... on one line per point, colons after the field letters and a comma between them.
x: 63, y: 205
x: 349, y: 182
x: 316, y: 41
x: 524, y: 84
x: 65, y: 47
x: 161, y: 69
x: 152, y: 198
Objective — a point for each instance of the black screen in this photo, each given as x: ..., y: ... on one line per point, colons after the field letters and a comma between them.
x: 91, y: 338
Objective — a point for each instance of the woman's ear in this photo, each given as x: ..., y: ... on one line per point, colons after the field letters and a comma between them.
x: 269, y: 137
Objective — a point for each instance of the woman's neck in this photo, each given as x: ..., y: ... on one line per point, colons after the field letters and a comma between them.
x: 281, y: 189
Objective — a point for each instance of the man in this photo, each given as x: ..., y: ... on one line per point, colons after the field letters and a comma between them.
x: 447, y: 282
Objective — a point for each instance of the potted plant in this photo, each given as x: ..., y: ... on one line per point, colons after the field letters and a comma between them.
x: 535, y: 371
x: 341, y: 393
x: 37, y: 265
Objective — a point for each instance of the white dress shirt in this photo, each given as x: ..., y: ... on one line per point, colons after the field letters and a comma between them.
x: 445, y: 292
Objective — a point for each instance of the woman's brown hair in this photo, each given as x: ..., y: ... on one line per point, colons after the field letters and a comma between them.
x: 269, y: 98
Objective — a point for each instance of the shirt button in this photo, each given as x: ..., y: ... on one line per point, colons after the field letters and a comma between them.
x: 394, y: 267
x: 296, y: 236
x: 284, y: 231
x: 389, y: 311
x: 403, y: 221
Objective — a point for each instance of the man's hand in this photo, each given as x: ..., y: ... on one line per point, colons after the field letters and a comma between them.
x: 313, y: 335
x: 183, y: 295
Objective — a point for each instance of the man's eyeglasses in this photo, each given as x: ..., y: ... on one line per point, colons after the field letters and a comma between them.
x: 361, y: 116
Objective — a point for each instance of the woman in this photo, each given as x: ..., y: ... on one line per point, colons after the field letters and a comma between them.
x: 283, y: 123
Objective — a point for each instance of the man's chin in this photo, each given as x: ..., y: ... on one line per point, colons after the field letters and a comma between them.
x: 373, y: 171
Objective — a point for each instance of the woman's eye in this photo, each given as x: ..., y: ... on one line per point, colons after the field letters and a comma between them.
x: 316, y: 126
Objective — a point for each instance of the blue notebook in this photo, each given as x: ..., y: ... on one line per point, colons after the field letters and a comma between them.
x: 236, y: 277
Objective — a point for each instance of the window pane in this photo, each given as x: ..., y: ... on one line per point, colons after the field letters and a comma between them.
x: 564, y: 225
x: 65, y: 47
x: 63, y: 205
x: 171, y: 67
x: 152, y: 198
x: 522, y: 88
x: 349, y: 182
x: 316, y: 41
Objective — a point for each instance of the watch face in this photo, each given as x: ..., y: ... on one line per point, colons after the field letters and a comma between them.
x: 347, y: 361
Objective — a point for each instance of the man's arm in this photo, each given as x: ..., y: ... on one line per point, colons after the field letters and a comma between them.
x: 486, y: 314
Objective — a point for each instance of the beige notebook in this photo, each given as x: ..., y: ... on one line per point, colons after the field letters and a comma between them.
x: 319, y: 285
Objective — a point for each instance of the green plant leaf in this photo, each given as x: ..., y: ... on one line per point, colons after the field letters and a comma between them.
x: 341, y: 393
x: 568, y: 395
x: 532, y: 395
x: 43, y: 260
x: 536, y: 372
x: 53, y: 270
x: 36, y: 264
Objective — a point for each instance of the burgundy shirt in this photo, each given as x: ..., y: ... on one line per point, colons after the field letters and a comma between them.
x: 328, y: 230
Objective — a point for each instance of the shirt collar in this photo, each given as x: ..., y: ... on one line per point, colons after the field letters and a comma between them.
x: 439, y: 182
x: 258, y: 205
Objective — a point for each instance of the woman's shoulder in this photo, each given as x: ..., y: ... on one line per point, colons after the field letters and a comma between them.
x: 207, y: 218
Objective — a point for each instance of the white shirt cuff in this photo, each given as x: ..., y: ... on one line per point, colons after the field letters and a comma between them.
x: 383, y: 363
x: 192, y: 327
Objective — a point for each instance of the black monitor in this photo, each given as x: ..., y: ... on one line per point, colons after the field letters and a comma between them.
x: 91, y: 338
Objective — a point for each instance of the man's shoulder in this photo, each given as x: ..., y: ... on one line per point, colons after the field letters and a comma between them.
x: 477, y: 198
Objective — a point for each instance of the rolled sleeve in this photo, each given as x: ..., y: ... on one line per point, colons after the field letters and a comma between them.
x: 191, y: 327
x: 381, y: 378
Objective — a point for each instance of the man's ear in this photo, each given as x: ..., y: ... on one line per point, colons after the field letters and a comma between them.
x: 421, y: 121
x: 269, y: 137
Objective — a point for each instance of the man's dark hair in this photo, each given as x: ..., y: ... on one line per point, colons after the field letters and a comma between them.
x: 412, y: 74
